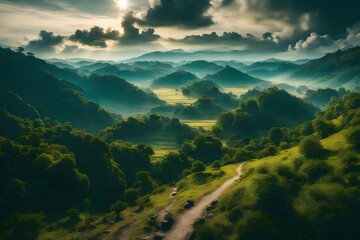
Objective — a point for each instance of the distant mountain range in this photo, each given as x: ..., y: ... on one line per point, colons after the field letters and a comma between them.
x: 201, y: 68
x: 231, y: 77
x: 341, y: 68
x: 181, y: 55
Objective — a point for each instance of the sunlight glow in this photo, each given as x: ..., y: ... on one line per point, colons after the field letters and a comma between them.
x: 122, y: 4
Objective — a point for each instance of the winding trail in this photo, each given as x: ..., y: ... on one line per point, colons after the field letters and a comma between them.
x: 183, y: 225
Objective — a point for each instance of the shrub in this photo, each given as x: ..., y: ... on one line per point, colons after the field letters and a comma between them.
x: 311, y: 148
x: 197, y: 166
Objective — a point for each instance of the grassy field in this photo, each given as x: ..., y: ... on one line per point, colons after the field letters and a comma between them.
x: 196, y: 123
x: 173, y: 96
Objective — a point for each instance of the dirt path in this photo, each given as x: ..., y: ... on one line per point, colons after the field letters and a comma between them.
x: 184, y: 222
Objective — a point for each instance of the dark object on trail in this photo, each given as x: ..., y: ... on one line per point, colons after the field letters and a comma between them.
x: 173, y: 194
x: 165, y: 225
x: 214, y: 203
x: 189, y: 204
x: 158, y: 237
x: 168, y: 221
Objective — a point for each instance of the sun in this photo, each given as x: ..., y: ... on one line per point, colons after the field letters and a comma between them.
x: 122, y: 4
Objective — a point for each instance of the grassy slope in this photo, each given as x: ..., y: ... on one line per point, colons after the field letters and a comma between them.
x: 194, y: 186
x: 334, y: 143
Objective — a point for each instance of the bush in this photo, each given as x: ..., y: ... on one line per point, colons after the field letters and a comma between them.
x: 118, y: 207
x: 311, y: 148
x: 354, y: 138
x: 197, y: 166
x: 235, y: 214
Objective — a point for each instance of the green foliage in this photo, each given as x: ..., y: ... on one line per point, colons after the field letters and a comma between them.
x: 324, y: 127
x: 171, y: 167
x: 36, y: 89
x: 24, y: 226
x: 137, y: 129
x: 267, y: 109
x: 131, y: 195
x: 118, y: 207
x: 276, y: 135
x: 73, y: 217
x: 354, y: 137
x: 311, y: 148
x: 197, y: 166
x: 206, y: 148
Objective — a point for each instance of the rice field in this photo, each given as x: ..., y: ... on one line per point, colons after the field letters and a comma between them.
x: 173, y: 96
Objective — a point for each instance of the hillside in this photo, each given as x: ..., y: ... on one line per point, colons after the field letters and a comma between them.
x: 201, y: 68
x: 131, y: 74
x: 175, y: 79
x: 338, y: 69
x: 206, y: 88
x: 232, y: 77
x: 203, y: 108
x: 44, y: 92
x: 260, y: 111
x: 309, y: 190
x: 113, y: 92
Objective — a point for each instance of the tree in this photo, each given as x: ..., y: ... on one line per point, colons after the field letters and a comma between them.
x: 131, y: 195
x: 354, y: 138
x: 311, y: 148
x: 26, y: 226
x: 276, y: 135
x: 118, y: 207
x: 20, y: 50
x: 197, y: 166
x: 73, y: 216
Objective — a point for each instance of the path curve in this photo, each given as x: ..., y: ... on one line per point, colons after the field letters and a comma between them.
x: 183, y: 225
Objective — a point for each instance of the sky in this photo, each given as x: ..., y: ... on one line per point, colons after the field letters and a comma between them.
x: 120, y: 29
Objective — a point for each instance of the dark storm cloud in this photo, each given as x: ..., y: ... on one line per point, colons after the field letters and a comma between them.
x: 225, y: 3
x: 132, y: 35
x: 266, y: 41
x: 182, y: 13
x: 321, y: 16
x: 46, y: 42
x: 96, y: 37
x: 70, y: 49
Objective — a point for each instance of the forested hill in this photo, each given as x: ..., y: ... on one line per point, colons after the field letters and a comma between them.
x: 26, y: 79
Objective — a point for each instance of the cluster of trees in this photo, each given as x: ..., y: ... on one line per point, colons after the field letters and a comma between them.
x: 47, y: 168
x: 210, y: 89
x: 132, y: 129
x: 261, y: 111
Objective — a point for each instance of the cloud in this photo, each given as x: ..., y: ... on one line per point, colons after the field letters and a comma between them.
x: 96, y: 37
x: 225, y: 3
x: 182, y: 13
x: 47, y: 41
x: 248, y: 41
x: 70, y: 49
x: 132, y: 35
x: 324, y: 43
x: 101, y: 7
x: 305, y: 16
